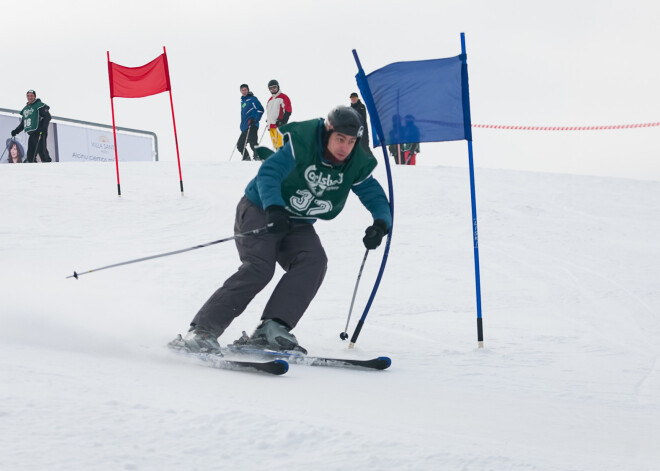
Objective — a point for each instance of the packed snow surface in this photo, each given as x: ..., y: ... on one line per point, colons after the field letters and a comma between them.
x: 569, y: 378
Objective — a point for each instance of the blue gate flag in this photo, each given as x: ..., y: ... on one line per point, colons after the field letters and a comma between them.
x: 420, y: 101
x: 423, y: 101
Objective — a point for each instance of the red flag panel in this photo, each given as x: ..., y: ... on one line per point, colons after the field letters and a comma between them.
x: 137, y: 82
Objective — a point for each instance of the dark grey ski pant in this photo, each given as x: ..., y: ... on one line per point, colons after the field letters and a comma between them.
x: 299, y: 252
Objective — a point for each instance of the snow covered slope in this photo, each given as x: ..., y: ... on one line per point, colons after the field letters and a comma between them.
x: 569, y: 378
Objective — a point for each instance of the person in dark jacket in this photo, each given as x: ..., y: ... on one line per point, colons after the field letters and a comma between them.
x: 251, y: 111
x: 404, y: 153
x: 35, y: 117
x: 308, y: 178
x: 358, y: 106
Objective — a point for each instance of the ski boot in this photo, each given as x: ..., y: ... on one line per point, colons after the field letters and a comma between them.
x: 271, y: 334
x: 199, y: 340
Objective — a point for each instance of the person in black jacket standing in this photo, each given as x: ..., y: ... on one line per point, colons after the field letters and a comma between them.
x: 35, y: 118
x: 358, y: 106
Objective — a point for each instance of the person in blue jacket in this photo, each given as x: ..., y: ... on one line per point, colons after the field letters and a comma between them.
x: 251, y: 111
x: 308, y: 178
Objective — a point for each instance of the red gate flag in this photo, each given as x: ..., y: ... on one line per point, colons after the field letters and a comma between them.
x: 137, y: 82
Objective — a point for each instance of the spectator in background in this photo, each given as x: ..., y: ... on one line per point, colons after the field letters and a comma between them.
x: 358, y: 106
x: 404, y: 154
x: 15, y: 152
x: 35, y: 117
x: 278, y: 110
x: 251, y: 111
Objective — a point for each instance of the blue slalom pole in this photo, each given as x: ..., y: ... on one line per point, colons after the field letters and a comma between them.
x: 363, y: 85
x: 468, y: 136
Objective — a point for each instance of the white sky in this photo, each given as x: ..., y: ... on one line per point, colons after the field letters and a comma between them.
x: 530, y: 63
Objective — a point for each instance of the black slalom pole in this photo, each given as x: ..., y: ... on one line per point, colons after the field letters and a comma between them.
x: 226, y: 239
x: 344, y: 334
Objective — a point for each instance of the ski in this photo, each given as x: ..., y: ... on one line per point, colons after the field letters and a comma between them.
x: 276, y: 366
x: 297, y: 358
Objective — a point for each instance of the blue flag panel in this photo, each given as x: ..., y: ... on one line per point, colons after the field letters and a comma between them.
x: 419, y: 101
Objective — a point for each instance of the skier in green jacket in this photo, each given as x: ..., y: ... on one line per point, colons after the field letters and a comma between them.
x: 35, y: 117
x: 308, y: 178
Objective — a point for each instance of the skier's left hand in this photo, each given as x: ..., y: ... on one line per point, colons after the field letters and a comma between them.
x: 374, y: 234
x: 278, y: 219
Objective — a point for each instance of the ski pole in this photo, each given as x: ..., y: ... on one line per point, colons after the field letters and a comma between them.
x: 236, y: 236
x: 36, y: 150
x: 247, y: 136
x: 262, y: 134
x: 244, y: 144
x: 411, y: 152
x: 344, y: 334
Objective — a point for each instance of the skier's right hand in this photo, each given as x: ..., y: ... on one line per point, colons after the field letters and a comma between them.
x: 13, y: 133
x: 278, y: 219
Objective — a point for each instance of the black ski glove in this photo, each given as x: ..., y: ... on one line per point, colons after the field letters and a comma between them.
x: 278, y: 219
x: 373, y: 235
x: 13, y: 133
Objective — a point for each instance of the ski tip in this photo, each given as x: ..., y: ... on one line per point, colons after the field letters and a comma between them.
x: 385, y: 362
x: 283, y: 365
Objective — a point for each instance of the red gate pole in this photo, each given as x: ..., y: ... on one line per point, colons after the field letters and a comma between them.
x: 176, y: 139
x: 114, y: 132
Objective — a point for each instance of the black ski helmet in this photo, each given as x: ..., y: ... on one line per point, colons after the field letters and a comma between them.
x: 346, y: 121
x: 273, y: 83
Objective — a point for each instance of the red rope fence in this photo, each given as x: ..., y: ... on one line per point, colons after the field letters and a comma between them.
x: 565, y: 128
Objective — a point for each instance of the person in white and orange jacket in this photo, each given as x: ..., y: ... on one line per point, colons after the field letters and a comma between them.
x: 278, y: 110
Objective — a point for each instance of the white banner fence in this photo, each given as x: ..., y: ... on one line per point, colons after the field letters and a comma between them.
x: 71, y: 140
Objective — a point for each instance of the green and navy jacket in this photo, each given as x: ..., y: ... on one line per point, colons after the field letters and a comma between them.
x: 34, y: 117
x: 310, y: 187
